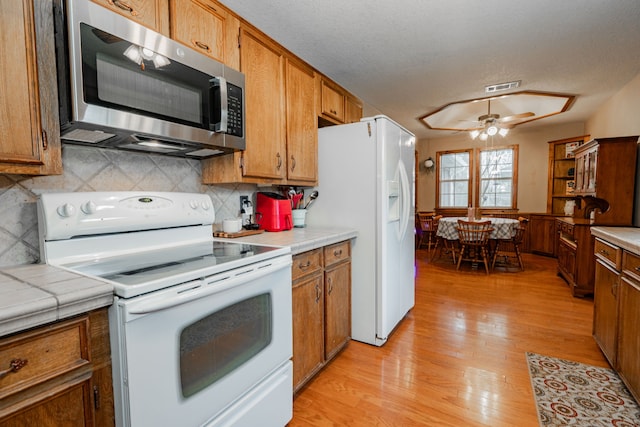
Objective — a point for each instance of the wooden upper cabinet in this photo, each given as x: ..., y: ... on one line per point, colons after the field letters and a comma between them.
x: 262, y: 63
x: 302, y: 135
x: 352, y: 110
x: 207, y: 27
x: 336, y: 105
x: 150, y: 13
x: 29, y: 129
x: 605, y: 171
x: 332, y: 102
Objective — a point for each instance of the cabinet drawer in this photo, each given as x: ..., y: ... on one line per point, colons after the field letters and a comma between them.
x: 631, y: 264
x: 306, y: 263
x: 566, y: 228
x: 608, y: 252
x: 42, y: 354
x: 336, y: 253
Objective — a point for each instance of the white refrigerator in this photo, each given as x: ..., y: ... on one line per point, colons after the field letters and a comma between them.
x: 366, y: 182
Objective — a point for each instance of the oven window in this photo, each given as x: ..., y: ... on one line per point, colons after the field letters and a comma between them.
x: 216, y: 345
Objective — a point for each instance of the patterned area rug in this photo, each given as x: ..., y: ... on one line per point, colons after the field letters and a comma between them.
x: 573, y: 394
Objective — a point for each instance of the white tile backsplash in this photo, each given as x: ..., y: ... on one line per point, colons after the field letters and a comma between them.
x: 96, y: 169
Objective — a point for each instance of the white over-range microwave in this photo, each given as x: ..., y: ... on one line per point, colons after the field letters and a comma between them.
x: 122, y: 85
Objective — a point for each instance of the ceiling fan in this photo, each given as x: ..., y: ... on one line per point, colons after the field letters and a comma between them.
x: 491, y: 123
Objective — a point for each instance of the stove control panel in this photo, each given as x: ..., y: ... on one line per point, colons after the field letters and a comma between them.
x: 65, y: 215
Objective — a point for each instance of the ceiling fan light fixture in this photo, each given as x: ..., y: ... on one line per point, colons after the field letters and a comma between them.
x: 474, y: 134
x: 492, y: 129
x: 483, y: 136
x: 503, y: 132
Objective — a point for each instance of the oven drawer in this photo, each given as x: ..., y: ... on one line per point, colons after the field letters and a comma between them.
x: 336, y: 253
x: 42, y: 354
x: 306, y: 263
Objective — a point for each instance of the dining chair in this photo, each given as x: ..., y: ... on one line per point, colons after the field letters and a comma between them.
x: 428, y: 228
x: 474, y: 242
x: 442, y: 244
x: 510, y: 248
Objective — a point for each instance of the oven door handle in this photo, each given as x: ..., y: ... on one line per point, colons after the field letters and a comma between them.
x: 203, y: 287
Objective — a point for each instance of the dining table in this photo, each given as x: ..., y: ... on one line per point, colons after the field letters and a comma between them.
x: 503, y: 228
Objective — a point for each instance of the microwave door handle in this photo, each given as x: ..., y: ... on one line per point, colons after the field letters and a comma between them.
x: 221, y: 84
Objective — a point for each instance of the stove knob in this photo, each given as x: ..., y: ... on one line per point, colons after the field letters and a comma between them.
x: 205, y: 205
x: 66, y: 210
x: 193, y: 204
x: 88, y: 208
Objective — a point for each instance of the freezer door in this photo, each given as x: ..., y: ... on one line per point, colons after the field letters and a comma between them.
x: 396, y: 287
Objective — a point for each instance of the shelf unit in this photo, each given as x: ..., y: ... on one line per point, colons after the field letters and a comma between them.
x: 562, y: 172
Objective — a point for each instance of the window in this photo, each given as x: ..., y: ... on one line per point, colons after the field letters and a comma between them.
x: 453, y: 181
x: 496, y: 176
x: 497, y: 173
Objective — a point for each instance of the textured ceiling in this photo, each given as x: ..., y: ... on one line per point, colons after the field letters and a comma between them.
x: 407, y: 58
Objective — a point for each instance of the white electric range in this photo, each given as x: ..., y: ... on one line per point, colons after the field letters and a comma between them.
x: 200, y: 327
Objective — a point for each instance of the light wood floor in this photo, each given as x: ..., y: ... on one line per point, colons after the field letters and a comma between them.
x: 458, y: 358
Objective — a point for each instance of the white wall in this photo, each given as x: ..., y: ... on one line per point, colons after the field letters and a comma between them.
x: 533, y: 157
x: 620, y: 115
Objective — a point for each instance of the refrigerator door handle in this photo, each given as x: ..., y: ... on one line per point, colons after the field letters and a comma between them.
x: 405, y: 202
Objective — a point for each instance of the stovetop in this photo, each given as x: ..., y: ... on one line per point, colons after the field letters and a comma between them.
x: 139, y: 241
x: 143, y: 272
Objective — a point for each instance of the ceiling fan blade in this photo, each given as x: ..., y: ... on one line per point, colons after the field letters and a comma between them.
x: 516, y: 117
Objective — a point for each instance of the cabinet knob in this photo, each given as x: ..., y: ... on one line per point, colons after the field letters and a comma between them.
x: 14, y: 366
x: 302, y: 266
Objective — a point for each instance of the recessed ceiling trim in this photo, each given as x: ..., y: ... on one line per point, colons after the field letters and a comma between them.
x: 466, y: 115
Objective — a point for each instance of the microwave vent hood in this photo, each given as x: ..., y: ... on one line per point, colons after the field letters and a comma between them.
x: 124, y: 86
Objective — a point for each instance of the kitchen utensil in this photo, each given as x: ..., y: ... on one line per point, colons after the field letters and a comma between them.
x: 312, y: 197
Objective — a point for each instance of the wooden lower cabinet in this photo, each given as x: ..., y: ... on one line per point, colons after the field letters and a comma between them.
x: 308, y: 319
x: 576, y: 263
x: 542, y: 234
x: 64, y: 378
x: 605, y: 309
x: 628, y: 323
x: 321, y: 298
x: 616, y: 310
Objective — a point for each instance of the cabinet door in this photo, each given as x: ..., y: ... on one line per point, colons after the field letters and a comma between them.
x: 150, y: 13
x: 605, y: 310
x: 567, y: 261
x: 263, y: 65
x: 542, y: 235
x: 29, y: 129
x: 592, y: 169
x: 206, y: 27
x: 302, y: 133
x: 581, y: 168
x: 337, y: 285
x: 68, y: 406
x: 308, y: 337
x: 352, y: 110
x: 628, y: 337
x: 332, y: 102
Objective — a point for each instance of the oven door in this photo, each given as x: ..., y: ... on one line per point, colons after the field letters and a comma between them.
x: 187, y: 355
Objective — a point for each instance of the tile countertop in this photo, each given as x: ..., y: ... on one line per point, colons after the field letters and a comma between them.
x: 34, y: 294
x: 625, y: 237
x: 300, y: 239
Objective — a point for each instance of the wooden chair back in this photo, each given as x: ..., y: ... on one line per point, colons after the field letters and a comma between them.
x: 474, y: 233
